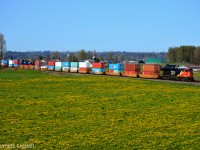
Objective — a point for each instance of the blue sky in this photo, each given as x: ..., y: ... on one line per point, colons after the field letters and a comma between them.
x: 104, y: 25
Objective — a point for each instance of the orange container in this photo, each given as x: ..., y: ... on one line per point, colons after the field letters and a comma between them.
x: 151, y: 68
x: 131, y: 72
x: 150, y: 73
x: 26, y: 66
x: 31, y: 67
x: 84, y: 70
x: 21, y: 66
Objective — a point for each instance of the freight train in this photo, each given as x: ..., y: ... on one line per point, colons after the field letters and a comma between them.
x: 152, y: 71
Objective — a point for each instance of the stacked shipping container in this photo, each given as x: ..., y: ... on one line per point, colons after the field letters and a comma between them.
x: 10, y: 63
x: 116, y: 69
x: 74, y: 67
x: 26, y: 64
x: 16, y: 63
x: 98, y: 68
x: 132, y: 70
x: 4, y: 63
x: 58, y: 66
x: 85, y: 67
x: 31, y: 65
x: 51, y: 65
x: 21, y: 64
x: 43, y: 66
x: 66, y: 66
x: 37, y: 65
x: 150, y: 71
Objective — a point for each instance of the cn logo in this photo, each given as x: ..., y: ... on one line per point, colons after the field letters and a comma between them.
x: 173, y: 72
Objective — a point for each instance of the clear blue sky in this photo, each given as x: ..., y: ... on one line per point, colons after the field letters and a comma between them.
x: 104, y: 25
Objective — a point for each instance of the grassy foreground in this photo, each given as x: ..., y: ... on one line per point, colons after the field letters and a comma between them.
x: 97, y: 112
x: 196, y: 76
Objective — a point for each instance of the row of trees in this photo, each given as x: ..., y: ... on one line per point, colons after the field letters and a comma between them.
x: 78, y: 56
x: 188, y: 54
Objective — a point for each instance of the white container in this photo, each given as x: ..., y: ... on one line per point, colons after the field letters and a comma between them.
x: 66, y: 69
x: 10, y: 63
x: 74, y: 69
x: 58, y: 64
x: 43, y: 67
x: 86, y: 64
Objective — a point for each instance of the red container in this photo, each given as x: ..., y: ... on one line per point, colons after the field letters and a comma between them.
x: 51, y: 63
x: 16, y: 62
x: 111, y: 71
x: 84, y: 69
x: 98, y: 65
x: 131, y: 67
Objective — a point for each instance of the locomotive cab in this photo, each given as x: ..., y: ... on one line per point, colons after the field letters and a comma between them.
x: 186, y: 74
x: 170, y: 72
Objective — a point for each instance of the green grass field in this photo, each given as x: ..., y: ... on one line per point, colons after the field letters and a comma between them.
x: 97, y: 112
x: 196, y: 76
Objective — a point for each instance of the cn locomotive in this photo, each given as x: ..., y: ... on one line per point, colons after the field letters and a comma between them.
x: 171, y: 72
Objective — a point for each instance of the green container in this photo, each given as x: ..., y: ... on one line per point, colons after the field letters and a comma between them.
x: 74, y: 64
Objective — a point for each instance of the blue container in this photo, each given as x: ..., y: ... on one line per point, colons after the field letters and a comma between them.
x: 65, y: 64
x: 116, y: 67
x: 98, y: 70
x: 50, y: 67
x: 11, y: 65
x: 4, y: 62
x: 16, y: 65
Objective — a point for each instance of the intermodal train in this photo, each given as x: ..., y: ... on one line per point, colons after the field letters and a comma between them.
x: 153, y: 71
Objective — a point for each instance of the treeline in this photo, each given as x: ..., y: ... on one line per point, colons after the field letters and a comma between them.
x: 184, y: 54
x: 111, y: 56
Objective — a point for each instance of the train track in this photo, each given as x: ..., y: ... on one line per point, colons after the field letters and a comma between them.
x: 195, y: 83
